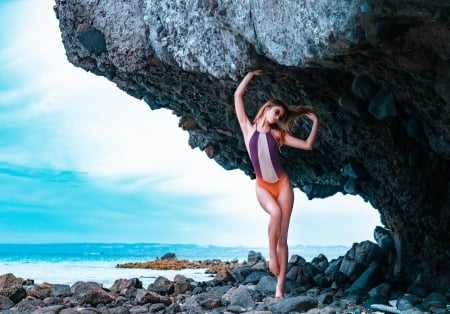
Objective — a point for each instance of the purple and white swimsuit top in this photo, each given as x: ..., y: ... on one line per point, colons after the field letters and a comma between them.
x: 263, y: 150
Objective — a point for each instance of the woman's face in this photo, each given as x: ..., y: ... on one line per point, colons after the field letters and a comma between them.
x: 274, y: 114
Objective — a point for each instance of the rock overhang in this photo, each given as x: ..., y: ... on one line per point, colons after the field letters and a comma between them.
x: 378, y: 73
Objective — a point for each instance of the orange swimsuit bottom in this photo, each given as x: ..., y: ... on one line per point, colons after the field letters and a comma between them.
x: 273, y: 188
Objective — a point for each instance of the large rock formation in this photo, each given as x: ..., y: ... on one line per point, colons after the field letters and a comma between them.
x: 378, y: 72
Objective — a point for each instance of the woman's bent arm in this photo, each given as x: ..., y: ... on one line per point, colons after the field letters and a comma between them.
x: 309, y: 142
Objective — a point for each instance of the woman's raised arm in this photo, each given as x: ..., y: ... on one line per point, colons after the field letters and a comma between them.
x: 239, y: 106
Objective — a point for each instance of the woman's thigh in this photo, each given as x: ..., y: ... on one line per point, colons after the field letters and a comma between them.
x: 268, y: 202
x: 286, y: 202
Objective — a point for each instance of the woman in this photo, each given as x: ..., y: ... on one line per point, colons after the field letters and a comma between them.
x: 263, y: 138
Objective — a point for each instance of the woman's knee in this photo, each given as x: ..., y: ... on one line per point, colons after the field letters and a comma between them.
x: 282, y: 242
x: 283, y: 235
x: 275, y: 214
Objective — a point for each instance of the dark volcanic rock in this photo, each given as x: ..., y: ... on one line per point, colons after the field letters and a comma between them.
x: 9, y: 280
x: 378, y: 72
x: 297, y: 304
x: 5, y: 303
x: 90, y: 293
x: 372, y: 289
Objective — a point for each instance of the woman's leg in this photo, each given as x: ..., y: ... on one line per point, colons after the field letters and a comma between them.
x: 286, y: 202
x: 270, y: 205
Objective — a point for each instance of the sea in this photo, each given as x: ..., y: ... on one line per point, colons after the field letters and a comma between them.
x: 68, y: 263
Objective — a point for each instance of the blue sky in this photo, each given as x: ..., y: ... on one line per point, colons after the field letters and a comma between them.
x: 81, y: 161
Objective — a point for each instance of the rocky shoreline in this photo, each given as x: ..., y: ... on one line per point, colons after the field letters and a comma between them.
x: 359, y: 282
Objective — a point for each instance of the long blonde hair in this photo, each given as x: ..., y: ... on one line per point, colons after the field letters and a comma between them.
x: 289, y: 119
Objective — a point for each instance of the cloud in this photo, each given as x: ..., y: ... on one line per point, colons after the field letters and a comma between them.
x: 81, y: 160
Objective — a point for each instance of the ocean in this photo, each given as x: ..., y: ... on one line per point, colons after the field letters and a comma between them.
x: 67, y: 263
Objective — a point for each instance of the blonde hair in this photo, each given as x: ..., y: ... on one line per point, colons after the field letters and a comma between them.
x: 289, y: 120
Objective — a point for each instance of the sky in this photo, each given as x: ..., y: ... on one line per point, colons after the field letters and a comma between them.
x: 81, y: 161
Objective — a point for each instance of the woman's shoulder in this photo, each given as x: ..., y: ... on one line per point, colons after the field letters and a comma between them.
x: 277, y: 133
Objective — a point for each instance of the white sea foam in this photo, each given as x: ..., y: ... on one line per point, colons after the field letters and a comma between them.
x: 104, y: 273
x: 67, y: 263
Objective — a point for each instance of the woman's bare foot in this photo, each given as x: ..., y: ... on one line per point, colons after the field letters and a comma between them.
x: 279, y: 293
x: 273, y: 264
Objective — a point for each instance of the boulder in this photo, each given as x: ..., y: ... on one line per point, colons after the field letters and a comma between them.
x: 5, y: 303
x: 161, y: 285
x: 59, y: 290
x: 40, y: 291
x: 254, y: 257
x: 242, y: 299
x: 29, y: 305
x: 295, y: 304
x: 358, y: 258
x: 89, y: 293
x: 182, y: 284
x: 14, y: 293
x: 9, y: 280
x: 126, y: 287
x: 372, y: 276
x: 169, y: 257
x: 267, y: 285
x: 143, y: 296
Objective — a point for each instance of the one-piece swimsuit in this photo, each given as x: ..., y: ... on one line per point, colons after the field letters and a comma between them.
x: 265, y: 158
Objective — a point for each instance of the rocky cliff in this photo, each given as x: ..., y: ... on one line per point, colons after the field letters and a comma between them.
x: 378, y: 72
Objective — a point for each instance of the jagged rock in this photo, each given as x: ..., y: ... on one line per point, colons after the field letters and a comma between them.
x: 378, y: 295
x: 143, y: 296
x: 320, y: 262
x: 372, y: 276
x: 239, y: 274
x: 40, y: 291
x: 261, y: 266
x: 378, y: 72
x: 322, y: 281
x: 242, y: 298
x: 224, y: 275
x: 266, y: 285
x: 5, y: 303
x: 182, y: 284
x: 90, y: 293
x: 325, y: 298
x: 254, y: 257
x: 208, y: 301
x: 255, y: 277
x: 384, y: 240
x: 169, y: 257
x: 358, y: 258
x: 222, y: 296
x: 192, y: 306
x: 383, y: 105
x: 29, y: 305
x: 9, y: 280
x: 407, y: 302
x: 313, y: 293
x: 161, y: 285
x: 126, y: 287
x: 157, y: 308
x: 435, y: 300
x: 59, y: 290
x: 54, y: 309
x: 296, y: 304
x: 173, y: 308
x: 14, y: 293
x: 226, y: 295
